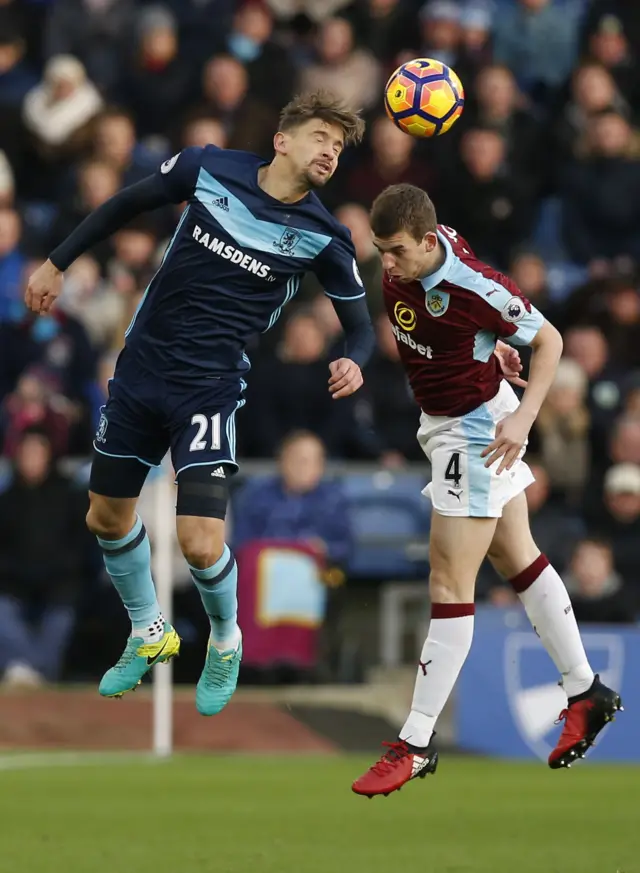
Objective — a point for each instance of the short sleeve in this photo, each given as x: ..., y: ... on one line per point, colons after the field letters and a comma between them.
x: 179, y: 174
x: 337, y: 270
x: 504, y: 310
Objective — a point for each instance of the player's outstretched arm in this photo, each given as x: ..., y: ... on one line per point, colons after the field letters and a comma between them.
x: 512, y: 432
x: 346, y: 372
x: 46, y: 283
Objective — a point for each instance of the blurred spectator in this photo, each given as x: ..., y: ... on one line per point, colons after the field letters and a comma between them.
x: 114, y: 143
x: 592, y: 91
x: 248, y: 122
x: 588, y: 347
x: 596, y: 589
x: 625, y: 441
x: 393, y: 160
x: 41, y: 530
x: 159, y: 79
x: 7, y: 183
x: 201, y: 130
x: 602, y: 194
x: 356, y: 218
x: 298, y: 504
x: 35, y: 404
x: 96, y: 32
x: 529, y: 271
x: 394, y: 411
x: 486, y: 200
x: 94, y: 302
x: 313, y: 10
x: 499, y: 107
x: 58, y: 112
x: 350, y: 73
x: 16, y: 77
x: 385, y: 28
x: 289, y: 391
x: 619, y: 522
x: 97, y: 181
x: 537, y: 39
x: 12, y: 264
x: 608, y: 43
x: 441, y: 32
x: 271, y: 74
x: 58, y: 348
x: 563, y: 427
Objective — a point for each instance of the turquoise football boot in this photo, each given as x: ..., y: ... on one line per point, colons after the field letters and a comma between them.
x: 218, y: 680
x: 137, y: 659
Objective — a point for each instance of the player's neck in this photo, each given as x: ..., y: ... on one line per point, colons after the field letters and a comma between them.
x: 433, y: 261
x: 276, y: 181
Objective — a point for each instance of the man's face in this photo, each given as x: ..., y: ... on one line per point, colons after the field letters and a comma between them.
x: 404, y: 258
x: 313, y: 150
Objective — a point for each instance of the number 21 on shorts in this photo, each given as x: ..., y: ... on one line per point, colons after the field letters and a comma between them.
x: 201, y: 440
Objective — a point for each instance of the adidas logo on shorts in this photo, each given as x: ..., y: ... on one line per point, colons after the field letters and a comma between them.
x: 219, y: 471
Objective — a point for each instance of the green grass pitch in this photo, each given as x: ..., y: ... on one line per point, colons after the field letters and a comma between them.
x: 253, y: 814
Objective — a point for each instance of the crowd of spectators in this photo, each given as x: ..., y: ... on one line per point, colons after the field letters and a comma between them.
x: 541, y: 175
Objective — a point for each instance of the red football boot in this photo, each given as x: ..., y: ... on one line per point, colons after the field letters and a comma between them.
x: 584, y: 718
x: 397, y: 766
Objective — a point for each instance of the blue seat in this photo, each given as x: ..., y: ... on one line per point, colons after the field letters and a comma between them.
x: 390, y: 521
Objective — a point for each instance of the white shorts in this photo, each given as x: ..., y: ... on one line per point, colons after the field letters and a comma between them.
x: 460, y: 482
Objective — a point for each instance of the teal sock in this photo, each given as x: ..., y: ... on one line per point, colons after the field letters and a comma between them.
x: 218, y: 586
x: 128, y: 563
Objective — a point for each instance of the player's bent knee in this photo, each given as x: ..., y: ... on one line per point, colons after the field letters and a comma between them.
x: 108, y: 518
x: 201, y: 540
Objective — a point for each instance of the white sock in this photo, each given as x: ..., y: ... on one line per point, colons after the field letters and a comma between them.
x: 150, y: 633
x: 443, y: 654
x: 230, y: 642
x: 548, y: 606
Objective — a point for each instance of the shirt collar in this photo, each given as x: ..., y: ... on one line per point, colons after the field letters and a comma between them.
x: 433, y: 279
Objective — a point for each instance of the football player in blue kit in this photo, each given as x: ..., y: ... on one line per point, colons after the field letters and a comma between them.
x: 249, y: 232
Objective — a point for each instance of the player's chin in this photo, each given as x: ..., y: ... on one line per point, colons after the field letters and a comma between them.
x: 317, y: 178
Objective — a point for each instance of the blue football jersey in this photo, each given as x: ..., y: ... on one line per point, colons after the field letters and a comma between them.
x: 236, y: 258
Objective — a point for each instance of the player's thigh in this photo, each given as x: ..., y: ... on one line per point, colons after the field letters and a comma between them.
x: 457, y: 547
x: 203, y: 451
x: 132, y: 424
x: 513, y: 548
x: 114, y: 487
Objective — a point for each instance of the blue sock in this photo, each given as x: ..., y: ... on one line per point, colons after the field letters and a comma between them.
x: 218, y: 587
x: 128, y: 563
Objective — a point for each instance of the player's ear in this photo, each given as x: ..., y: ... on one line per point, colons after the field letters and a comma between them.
x: 280, y: 143
x: 430, y: 241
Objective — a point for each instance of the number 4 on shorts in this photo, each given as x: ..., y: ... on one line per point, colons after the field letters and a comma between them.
x: 452, y: 473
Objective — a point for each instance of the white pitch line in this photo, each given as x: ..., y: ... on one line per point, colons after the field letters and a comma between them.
x: 31, y: 760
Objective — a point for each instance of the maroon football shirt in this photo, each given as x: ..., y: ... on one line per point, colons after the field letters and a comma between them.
x: 447, y: 324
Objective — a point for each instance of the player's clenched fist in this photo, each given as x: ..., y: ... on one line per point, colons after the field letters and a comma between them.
x: 346, y: 377
x: 44, y: 288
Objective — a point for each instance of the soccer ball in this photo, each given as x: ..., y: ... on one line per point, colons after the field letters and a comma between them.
x: 424, y: 97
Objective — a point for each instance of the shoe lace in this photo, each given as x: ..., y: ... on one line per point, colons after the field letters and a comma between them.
x: 562, y: 717
x: 397, y: 751
x: 218, y: 670
x: 127, y: 656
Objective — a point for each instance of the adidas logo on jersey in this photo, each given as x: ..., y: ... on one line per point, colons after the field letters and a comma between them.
x: 230, y: 253
x: 219, y: 472
x: 221, y: 203
x: 408, y: 340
